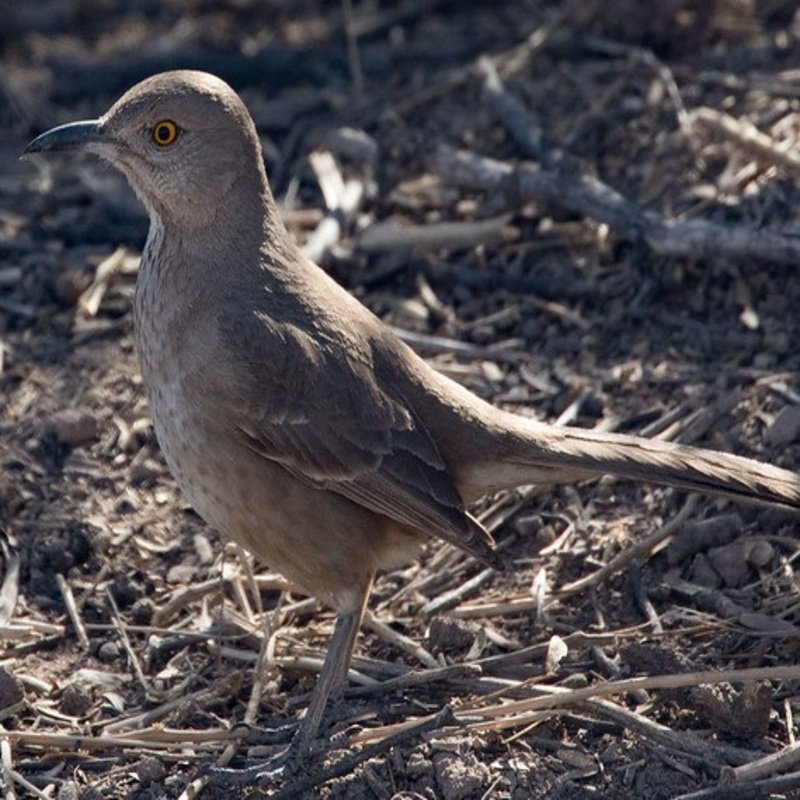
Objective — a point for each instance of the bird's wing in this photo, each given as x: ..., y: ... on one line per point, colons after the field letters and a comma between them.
x: 314, y: 405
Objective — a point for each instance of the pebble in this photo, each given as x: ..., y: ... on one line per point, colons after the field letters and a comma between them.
x: 142, y: 611
x: 449, y: 636
x: 730, y: 563
x: 459, y: 777
x: 203, y: 548
x: 785, y: 428
x: 181, y: 574
x: 125, y: 590
x: 703, y: 573
x: 75, y: 700
x: 108, y: 652
x: 150, y: 770
x: 11, y: 691
x: 73, y: 427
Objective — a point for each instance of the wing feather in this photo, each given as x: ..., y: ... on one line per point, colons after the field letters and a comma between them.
x: 314, y: 405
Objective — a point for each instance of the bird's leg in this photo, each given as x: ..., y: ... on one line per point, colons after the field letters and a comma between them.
x: 328, y: 690
x: 332, y: 678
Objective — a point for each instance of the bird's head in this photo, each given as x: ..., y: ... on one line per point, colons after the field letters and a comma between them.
x: 183, y: 139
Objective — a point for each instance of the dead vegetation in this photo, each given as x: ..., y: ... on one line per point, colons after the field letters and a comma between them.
x: 588, y: 215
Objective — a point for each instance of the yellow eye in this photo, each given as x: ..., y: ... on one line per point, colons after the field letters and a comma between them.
x: 165, y: 132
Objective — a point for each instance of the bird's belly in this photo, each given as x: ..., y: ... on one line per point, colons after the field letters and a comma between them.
x: 325, y: 543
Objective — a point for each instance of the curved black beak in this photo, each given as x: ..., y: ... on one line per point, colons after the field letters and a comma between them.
x: 73, y: 136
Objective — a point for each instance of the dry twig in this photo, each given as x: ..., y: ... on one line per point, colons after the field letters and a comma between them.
x: 590, y: 197
x: 636, y: 551
x: 72, y: 611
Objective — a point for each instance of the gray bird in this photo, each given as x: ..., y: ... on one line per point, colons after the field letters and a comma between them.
x: 294, y: 421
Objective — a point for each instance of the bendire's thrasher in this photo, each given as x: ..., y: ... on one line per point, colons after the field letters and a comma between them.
x: 293, y: 419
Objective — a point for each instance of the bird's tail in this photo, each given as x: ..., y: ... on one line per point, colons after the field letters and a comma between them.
x: 533, y: 452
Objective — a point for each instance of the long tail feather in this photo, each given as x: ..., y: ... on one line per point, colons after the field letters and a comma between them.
x: 538, y: 453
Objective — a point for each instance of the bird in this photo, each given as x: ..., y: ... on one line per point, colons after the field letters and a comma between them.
x: 292, y: 418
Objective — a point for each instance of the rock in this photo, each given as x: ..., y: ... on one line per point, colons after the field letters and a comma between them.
x: 203, y: 548
x: 108, y: 652
x: 730, y: 563
x: 418, y: 765
x: 73, y: 427
x: 125, y: 590
x: 703, y: 574
x: 459, y: 777
x: 75, y: 700
x: 150, y: 770
x: 181, y: 574
x: 142, y: 611
x: 449, y: 636
x: 760, y: 553
x: 702, y: 535
x: 741, y: 712
x: 785, y: 428
x: 11, y: 691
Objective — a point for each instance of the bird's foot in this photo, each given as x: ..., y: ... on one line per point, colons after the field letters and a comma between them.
x: 285, y: 766
x: 280, y: 768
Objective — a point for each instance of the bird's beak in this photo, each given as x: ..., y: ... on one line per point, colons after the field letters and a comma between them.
x: 73, y: 136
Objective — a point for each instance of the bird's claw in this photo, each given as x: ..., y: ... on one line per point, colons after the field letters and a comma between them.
x: 285, y: 765
x: 281, y: 767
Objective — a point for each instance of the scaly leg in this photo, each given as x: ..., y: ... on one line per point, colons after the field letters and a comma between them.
x: 332, y: 678
x: 330, y: 685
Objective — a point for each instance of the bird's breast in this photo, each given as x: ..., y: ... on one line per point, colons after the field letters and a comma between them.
x: 168, y: 330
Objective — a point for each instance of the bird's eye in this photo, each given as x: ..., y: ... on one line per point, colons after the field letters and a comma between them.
x: 165, y: 132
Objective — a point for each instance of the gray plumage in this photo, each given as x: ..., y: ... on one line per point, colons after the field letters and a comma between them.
x: 292, y: 418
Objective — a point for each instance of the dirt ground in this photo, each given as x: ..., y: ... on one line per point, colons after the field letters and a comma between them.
x: 130, y: 632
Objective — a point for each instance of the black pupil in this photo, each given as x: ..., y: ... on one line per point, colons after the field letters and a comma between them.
x: 163, y: 133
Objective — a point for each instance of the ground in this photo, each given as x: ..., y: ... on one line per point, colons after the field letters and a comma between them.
x: 130, y: 630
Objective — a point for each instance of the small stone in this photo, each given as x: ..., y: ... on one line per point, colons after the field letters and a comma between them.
x: 730, y: 563
x: 491, y: 372
x: 418, y: 765
x: 73, y: 427
x: 203, y: 548
x: 108, y: 652
x: 785, y: 428
x: 459, y: 777
x: 703, y: 574
x: 449, y: 636
x: 125, y: 591
x: 75, y: 700
x: 11, y: 691
x: 150, y: 770
x: 760, y: 553
x: 181, y: 574
x: 142, y: 611
x: 610, y: 754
